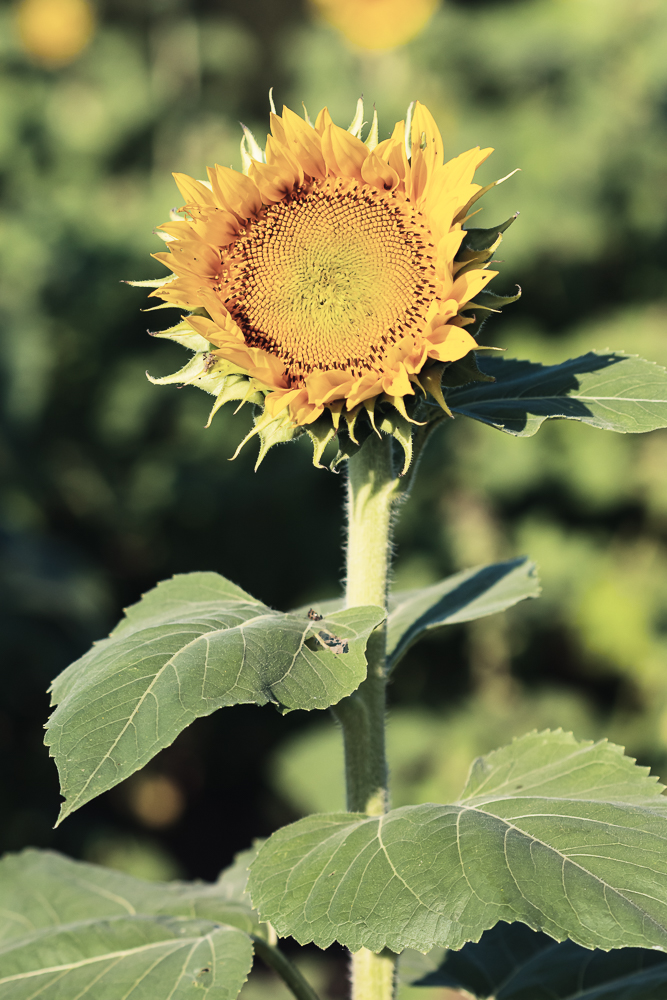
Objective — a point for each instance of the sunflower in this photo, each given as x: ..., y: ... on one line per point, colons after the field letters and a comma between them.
x: 332, y: 280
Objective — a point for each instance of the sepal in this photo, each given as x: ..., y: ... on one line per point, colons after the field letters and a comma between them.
x: 203, y: 370
x: 235, y: 387
x: 357, y: 122
x: 321, y: 433
x: 430, y: 379
x: 270, y: 430
x: 346, y: 449
x: 463, y: 371
x: 151, y: 282
x: 492, y: 302
x: 463, y: 214
x: 401, y: 429
x: 250, y: 150
x: 478, y: 240
x: 182, y: 333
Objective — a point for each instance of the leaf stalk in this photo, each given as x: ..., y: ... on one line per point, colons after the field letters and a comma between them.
x: 288, y: 972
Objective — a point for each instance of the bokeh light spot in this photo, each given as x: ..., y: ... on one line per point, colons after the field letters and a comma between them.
x: 54, y: 32
x: 155, y: 800
x: 377, y: 24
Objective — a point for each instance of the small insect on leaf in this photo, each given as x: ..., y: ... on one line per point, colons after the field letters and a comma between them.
x: 313, y: 615
x: 332, y: 642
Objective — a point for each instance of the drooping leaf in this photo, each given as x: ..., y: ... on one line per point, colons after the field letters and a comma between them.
x: 615, y: 392
x: 158, y: 958
x: 568, y: 837
x: 79, y: 891
x: 511, y: 962
x: 232, y: 883
x: 474, y: 593
x: 69, y: 929
x: 190, y: 646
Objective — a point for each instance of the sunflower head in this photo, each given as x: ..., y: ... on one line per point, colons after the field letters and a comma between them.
x: 334, y: 284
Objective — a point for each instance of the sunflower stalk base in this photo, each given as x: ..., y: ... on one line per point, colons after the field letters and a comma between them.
x: 373, y: 976
x: 373, y: 489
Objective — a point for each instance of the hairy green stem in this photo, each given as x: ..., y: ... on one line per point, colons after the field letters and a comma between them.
x: 287, y: 971
x: 373, y: 976
x: 372, y: 487
x: 372, y: 491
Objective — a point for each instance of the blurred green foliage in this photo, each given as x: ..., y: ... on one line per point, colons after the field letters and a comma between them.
x: 109, y: 483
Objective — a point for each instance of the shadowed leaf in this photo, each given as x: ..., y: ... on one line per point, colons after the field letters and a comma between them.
x: 474, y: 593
x: 615, y: 392
x: 511, y: 962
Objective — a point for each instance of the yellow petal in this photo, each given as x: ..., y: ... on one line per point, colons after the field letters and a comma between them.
x: 277, y: 130
x: 426, y: 151
x: 378, y: 173
x: 468, y: 285
x: 453, y: 344
x: 392, y: 151
x: 235, y: 191
x: 279, y: 157
x: 272, y: 183
x: 344, y: 154
x: 304, y: 143
x: 322, y: 121
x: 426, y: 140
x: 194, y: 192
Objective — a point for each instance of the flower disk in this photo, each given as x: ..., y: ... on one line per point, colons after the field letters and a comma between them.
x: 332, y: 276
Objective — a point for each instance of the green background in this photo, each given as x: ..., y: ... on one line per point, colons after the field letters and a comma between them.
x: 109, y: 483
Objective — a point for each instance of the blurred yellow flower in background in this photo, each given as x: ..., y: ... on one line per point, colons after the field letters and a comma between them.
x: 54, y: 32
x: 377, y: 24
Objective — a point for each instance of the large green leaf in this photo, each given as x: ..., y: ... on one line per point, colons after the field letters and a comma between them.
x: 69, y: 929
x: 568, y: 837
x: 511, y: 962
x: 76, y: 890
x: 474, y: 593
x: 159, y: 958
x: 192, y: 645
x: 616, y: 392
